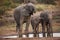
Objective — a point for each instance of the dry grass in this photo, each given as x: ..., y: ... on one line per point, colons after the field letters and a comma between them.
x: 44, y: 7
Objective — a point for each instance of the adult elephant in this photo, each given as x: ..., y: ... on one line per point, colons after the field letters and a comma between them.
x: 22, y: 14
x: 45, y: 18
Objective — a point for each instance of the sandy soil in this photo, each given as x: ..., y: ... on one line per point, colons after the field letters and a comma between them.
x: 32, y: 39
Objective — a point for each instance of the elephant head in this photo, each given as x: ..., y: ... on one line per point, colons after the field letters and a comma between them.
x: 30, y: 8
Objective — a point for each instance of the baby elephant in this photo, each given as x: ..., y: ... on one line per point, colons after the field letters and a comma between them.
x: 45, y: 18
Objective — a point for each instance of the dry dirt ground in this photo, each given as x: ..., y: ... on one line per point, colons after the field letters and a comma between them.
x: 32, y: 39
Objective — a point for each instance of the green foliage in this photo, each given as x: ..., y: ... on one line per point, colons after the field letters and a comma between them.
x: 1, y: 11
x: 18, y: 1
x: 6, y: 5
x: 46, y: 1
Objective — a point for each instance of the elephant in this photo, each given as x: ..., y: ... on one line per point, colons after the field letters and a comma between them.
x: 45, y: 19
x: 22, y: 14
x: 35, y: 20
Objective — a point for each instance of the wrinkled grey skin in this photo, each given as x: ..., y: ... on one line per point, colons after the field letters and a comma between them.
x: 35, y: 20
x: 45, y: 18
x: 22, y: 14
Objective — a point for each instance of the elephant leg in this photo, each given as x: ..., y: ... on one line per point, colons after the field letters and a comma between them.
x: 26, y: 31
x: 51, y: 30
x: 27, y: 26
x: 48, y: 30
x: 20, y: 31
x: 37, y: 30
x: 17, y: 24
x: 34, y: 28
x: 34, y: 31
x: 43, y: 29
x: 21, y: 25
x: 17, y: 27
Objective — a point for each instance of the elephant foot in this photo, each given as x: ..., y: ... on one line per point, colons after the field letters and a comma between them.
x: 51, y: 34
x: 44, y: 35
x: 20, y: 33
x: 34, y: 35
x: 20, y: 36
x: 27, y: 35
x: 37, y: 35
